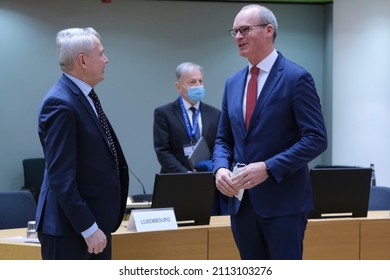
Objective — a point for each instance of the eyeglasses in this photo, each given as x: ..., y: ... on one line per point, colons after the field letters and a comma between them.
x: 244, y: 30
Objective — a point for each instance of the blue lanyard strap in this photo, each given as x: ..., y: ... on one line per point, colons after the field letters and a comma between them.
x: 190, y: 132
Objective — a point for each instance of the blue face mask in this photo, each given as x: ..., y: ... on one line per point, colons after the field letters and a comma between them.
x: 196, y: 93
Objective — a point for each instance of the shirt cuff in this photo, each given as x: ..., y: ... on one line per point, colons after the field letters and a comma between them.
x: 90, y: 231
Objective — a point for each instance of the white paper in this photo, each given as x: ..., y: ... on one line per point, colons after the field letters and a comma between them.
x: 237, y: 170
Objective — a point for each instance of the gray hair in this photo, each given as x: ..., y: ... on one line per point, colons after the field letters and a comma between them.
x: 186, y: 67
x: 266, y: 16
x: 73, y: 41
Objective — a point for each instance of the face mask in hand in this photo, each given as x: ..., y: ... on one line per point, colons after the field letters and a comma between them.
x: 196, y: 93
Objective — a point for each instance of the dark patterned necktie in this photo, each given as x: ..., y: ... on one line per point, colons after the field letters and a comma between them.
x: 251, y: 95
x: 197, y: 130
x: 104, y: 122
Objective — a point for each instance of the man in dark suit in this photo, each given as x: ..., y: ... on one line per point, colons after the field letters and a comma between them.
x: 274, y: 144
x: 85, y: 186
x: 177, y: 128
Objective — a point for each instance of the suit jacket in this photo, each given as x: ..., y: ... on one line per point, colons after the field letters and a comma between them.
x: 286, y: 131
x: 81, y: 185
x: 170, y: 134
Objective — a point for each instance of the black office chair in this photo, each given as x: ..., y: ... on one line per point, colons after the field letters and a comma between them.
x: 16, y: 209
x: 379, y: 198
x: 33, y: 169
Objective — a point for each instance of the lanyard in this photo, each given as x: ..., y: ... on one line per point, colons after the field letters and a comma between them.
x: 190, y: 132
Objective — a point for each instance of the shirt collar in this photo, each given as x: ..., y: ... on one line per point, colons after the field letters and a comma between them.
x: 266, y: 64
x: 83, y: 86
x: 187, y: 105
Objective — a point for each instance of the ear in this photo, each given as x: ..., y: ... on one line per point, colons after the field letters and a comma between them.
x: 177, y: 86
x: 81, y: 60
x: 270, y: 30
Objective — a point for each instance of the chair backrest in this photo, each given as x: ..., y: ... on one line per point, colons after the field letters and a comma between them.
x: 33, y: 169
x: 379, y: 198
x: 16, y: 209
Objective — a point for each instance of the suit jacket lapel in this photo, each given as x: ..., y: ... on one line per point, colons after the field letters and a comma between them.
x: 179, y: 113
x: 96, y: 120
x: 239, y: 87
x: 206, y: 120
x: 84, y: 101
x: 272, y: 80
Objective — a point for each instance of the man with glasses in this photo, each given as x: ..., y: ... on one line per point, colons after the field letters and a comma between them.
x: 271, y: 126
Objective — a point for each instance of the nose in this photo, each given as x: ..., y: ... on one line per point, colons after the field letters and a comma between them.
x: 106, y: 59
x: 238, y: 35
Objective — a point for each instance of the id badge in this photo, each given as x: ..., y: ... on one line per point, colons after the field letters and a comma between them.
x: 187, y: 149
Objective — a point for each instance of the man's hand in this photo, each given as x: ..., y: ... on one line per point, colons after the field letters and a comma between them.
x: 251, y: 175
x: 224, y: 182
x: 96, y: 242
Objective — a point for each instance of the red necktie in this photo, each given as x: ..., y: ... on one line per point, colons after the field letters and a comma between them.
x: 251, y: 95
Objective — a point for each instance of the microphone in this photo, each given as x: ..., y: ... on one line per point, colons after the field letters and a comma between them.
x: 139, y: 181
x: 140, y: 197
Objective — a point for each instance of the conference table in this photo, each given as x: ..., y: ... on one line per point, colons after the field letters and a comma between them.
x: 325, y: 239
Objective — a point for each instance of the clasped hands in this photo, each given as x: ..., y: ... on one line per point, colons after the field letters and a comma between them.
x: 250, y: 176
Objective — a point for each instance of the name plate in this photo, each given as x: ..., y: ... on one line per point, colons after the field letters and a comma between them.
x: 152, y: 220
